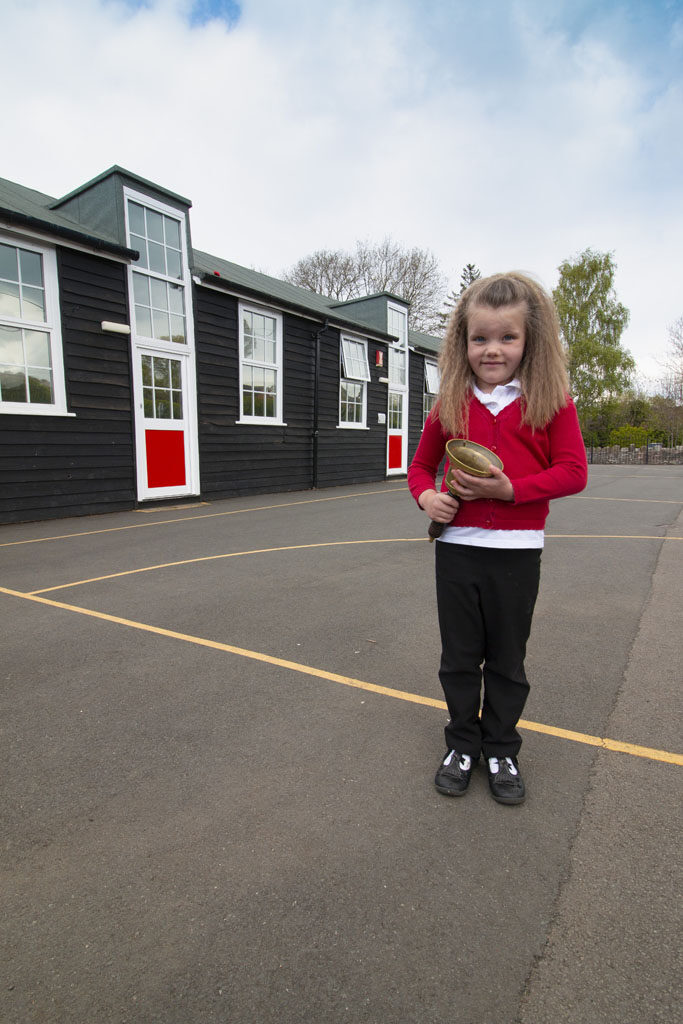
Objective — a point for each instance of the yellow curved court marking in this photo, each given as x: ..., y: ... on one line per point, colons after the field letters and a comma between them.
x: 333, y: 677
x: 208, y: 515
x: 322, y: 544
x: 232, y: 554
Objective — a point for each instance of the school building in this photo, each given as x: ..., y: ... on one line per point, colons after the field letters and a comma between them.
x: 136, y: 369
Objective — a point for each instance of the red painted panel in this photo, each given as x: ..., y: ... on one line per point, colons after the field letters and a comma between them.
x: 165, y: 458
x: 395, y: 451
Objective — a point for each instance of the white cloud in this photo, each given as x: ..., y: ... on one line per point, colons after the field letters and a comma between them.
x: 509, y: 135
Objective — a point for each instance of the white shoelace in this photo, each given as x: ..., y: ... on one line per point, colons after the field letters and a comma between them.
x: 494, y: 765
x: 465, y: 761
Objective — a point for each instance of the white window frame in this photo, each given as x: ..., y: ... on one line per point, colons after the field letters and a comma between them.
x: 50, y: 326
x: 432, y: 381
x: 398, y: 350
x: 277, y: 366
x: 185, y: 282
x: 354, y: 370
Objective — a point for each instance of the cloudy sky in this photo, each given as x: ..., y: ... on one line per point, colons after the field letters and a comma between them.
x: 511, y: 134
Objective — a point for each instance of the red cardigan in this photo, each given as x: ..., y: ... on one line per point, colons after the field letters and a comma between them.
x: 541, y: 464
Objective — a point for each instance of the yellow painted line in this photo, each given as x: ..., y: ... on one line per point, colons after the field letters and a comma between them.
x: 209, y: 515
x: 232, y: 554
x: 303, y: 547
x: 334, y: 677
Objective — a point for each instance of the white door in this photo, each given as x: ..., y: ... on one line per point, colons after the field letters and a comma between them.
x: 164, y: 378
x: 166, y: 467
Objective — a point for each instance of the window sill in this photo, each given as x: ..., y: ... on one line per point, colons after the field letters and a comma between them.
x: 255, y: 422
x: 20, y: 409
x: 352, y: 426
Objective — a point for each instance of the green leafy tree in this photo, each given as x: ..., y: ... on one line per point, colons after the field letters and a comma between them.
x: 592, y: 321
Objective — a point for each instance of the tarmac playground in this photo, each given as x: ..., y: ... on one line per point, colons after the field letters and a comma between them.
x: 219, y: 726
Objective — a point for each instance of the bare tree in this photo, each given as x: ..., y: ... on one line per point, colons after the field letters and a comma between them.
x: 411, y: 274
x: 669, y: 401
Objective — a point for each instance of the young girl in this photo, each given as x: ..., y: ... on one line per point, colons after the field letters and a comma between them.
x: 503, y: 385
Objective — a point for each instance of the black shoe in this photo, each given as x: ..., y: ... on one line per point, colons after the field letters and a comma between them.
x: 505, y: 781
x: 455, y: 771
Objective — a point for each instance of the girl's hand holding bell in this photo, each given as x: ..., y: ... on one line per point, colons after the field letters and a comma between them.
x: 439, y: 505
x: 497, y: 485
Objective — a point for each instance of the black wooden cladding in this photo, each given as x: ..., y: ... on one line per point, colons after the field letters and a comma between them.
x: 415, y: 402
x: 52, y: 466
x: 238, y: 458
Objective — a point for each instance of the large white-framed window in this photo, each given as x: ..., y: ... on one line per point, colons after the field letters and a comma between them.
x: 260, y: 340
x: 160, y: 278
x: 354, y: 377
x: 31, y: 358
x: 397, y: 322
x: 431, y: 388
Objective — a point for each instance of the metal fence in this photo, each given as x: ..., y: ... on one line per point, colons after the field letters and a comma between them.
x: 648, y: 455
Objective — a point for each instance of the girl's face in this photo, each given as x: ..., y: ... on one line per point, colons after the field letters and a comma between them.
x: 495, y: 343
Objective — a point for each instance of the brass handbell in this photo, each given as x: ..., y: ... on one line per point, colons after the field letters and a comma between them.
x: 470, y: 457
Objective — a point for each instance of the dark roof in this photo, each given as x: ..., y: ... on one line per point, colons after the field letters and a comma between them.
x: 122, y: 172
x: 212, y: 270
x: 424, y: 342
x: 24, y: 207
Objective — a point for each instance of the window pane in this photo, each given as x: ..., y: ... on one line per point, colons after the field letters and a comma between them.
x: 9, y: 299
x: 159, y: 293
x: 270, y: 405
x: 31, y: 264
x: 141, y: 289
x: 247, y: 406
x: 157, y: 262
x: 11, y: 348
x: 259, y: 349
x: 162, y: 377
x: 33, y: 303
x: 136, y: 218
x: 175, y: 373
x: 147, y: 370
x: 177, y: 405
x: 155, y: 226
x: 175, y: 299
x: 173, y: 264
x: 8, y: 262
x: 162, y: 400
x: 148, y: 399
x: 37, y: 346
x: 161, y: 328
x: 172, y: 232
x: 40, y: 385
x: 12, y: 384
x: 143, y: 321
x: 258, y: 404
x: 178, y: 329
x: 136, y: 242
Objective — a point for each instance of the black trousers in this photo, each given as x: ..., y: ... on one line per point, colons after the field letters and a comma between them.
x: 486, y: 599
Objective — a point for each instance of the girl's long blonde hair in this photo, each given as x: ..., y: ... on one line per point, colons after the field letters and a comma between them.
x: 542, y: 371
